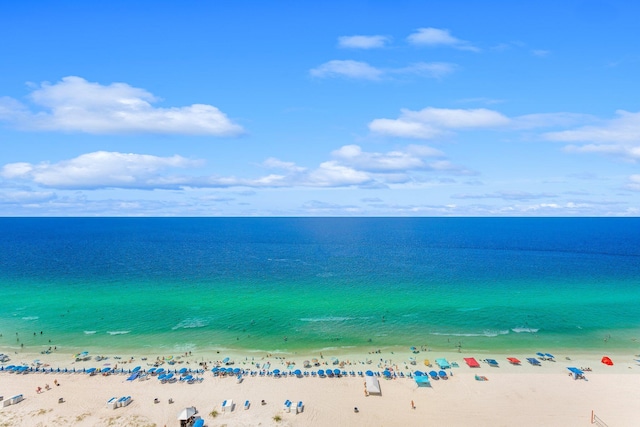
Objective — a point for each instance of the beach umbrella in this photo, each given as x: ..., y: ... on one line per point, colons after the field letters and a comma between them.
x: 336, y: 372
x: 229, y: 370
x: 276, y: 371
x: 215, y: 369
x: 369, y: 373
x: 386, y: 373
x: 297, y: 372
x: 225, y: 360
x: 418, y: 373
x: 136, y: 369
x: 236, y: 371
x: 91, y: 370
x: 187, y: 413
x: 182, y: 371
x: 321, y: 372
x: 159, y: 370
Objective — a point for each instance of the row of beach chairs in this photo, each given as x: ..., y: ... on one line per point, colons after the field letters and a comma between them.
x: 115, y: 402
x: 288, y: 404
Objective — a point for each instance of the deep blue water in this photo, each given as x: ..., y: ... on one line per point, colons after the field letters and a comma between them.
x: 320, y: 282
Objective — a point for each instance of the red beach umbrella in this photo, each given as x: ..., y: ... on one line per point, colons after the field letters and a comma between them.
x: 607, y: 361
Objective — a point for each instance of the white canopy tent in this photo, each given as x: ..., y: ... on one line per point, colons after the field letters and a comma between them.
x: 372, y: 384
x: 187, y: 413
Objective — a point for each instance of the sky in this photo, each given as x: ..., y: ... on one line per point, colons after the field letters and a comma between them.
x: 308, y: 108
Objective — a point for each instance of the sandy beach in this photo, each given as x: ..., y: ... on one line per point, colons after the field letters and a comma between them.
x: 522, y: 395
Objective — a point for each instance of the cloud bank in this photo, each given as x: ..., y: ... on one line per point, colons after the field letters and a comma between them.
x: 76, y: 105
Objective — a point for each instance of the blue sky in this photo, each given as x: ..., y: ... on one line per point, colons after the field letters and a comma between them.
x: 283, y: 108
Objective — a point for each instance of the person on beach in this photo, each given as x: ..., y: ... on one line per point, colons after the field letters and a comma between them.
x: 413, y: 406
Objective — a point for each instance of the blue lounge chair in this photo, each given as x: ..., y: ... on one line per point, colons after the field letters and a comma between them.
x: 533, y: 361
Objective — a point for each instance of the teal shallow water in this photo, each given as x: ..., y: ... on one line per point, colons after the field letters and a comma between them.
x: 308, y: 284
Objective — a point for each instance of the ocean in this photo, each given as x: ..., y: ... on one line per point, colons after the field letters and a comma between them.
x: 307, y: 284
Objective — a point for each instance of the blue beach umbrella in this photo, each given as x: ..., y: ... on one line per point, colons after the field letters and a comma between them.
x: 336, y: 372
x: 276, y: 371
x: 159, y: 371
x: 182, y: 371
x: 321, y: 372
x: 215, y: 369
x: 229, y: 371
x: 297, y: 372
x: 236, y: 371
x: 136, y: 369
x: 418, y: 373
x: 386, y: 373
x: 369, y: 373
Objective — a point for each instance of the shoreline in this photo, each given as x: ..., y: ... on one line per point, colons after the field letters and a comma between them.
x: 523, y: 395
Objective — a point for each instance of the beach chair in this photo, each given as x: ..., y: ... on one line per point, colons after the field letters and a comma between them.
x: 112, y: 403
x: 492, y: 362
x: 287, y: 406
x: 442, y: 363
x: 533, y: 361
x: 246, y: 405
x: 299, y: 407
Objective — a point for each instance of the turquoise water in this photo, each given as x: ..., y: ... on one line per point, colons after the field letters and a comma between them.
x: 296, y: 284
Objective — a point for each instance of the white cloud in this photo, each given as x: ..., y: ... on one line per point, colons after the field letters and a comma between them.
x: 349, y: 166
x: 362, y: 42
x: 26, y: 197
x: 619, y: 136
x: 541, y: 120
x: 100, y: 169
x: 273, y: 163
x: 432, y: 122
x: 438, y: 37
x: 76, y: 105
x: 540, y: 53
x: 410, y: 159
x: 623, y: 129
x: 427, y: 69
x: 362, y: 70
x: 347, y: 68
x: 333, y: 174
x: 634, y: 183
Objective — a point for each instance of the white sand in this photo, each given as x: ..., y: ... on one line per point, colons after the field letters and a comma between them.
x: 512, y: 396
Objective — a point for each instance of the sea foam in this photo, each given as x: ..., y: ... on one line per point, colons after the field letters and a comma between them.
x: 521, y: 329
x: 191, y: 322
x: 326, y: 319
